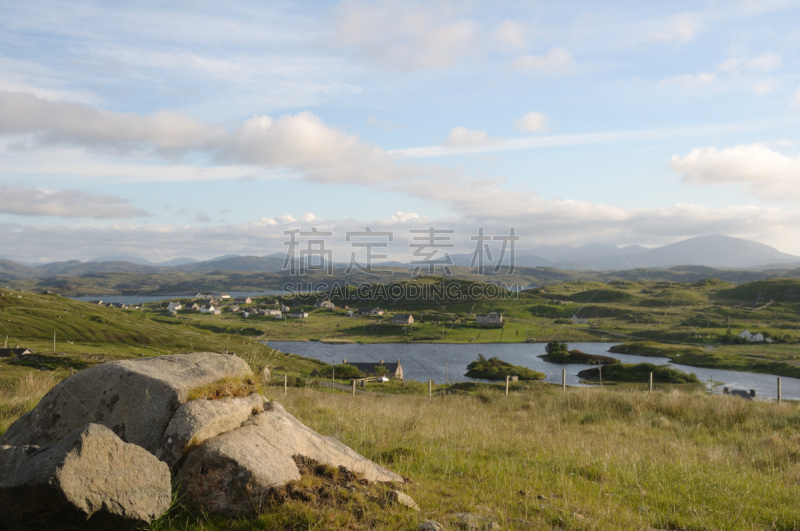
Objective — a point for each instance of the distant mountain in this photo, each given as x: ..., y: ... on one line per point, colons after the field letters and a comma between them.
x: 706, y: 251
x: 122, y: 258
x: 712, y: 251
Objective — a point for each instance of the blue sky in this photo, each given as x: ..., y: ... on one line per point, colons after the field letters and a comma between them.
x: 198, y: 129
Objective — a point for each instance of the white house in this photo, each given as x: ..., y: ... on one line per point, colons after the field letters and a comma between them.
x: 270, y: 311
x: 225, y: 296
x: 174, y: 306
x: 207, y: 309
x: 299, y: 314
x: 243, y: 300
x: 324, y: 304
x: 284, y: 308
x: 402, y: 319
x: 491, y: 318
x: 579, y: 320
x: 757, y: 337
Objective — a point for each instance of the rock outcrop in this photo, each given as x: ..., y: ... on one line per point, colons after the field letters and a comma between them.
x: 199, y: 420
x: 90, y: 480
x: 233, y: 473
x: 134, y: 398
x: 96, y: 453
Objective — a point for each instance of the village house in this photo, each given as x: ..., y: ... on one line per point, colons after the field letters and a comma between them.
x: 284, y: 308
x: 391, y: 370
x: 100, y: 303
x: 299, y: 314
x: 201, y: 294
x: 402, y: 319
x: 491, y: 318
x: 371, y: 311
x: 174, y: 306
x: 234, y: 308
x: 271, y: 311
x: 324, y: 304
x: 225, y: 296
x: 757, y: 337
x: 17, y: 351
x: 243, y: 300
x: 578, y: 320
x: 194, y: 307
x: 209, y: 309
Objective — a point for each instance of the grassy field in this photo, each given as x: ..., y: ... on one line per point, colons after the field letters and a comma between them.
x: 88, y: 334
x: 585, y: 459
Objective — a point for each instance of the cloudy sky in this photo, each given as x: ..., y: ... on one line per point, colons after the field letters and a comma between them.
x: 163, y: 129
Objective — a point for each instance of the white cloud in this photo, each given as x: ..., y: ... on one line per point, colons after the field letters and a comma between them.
x: 557, y: 61
x: 681, y: 28
x: 405, y: 35
x: 511, y: 33
x: 463, y: 137
x: 22, y: 201
x: 796, y: 99
x: 764, y: 173
x: 763, y: 63
x: 301, y: 142
x: 768, y: 85
x: 690, y: 80
x: 532, y: 122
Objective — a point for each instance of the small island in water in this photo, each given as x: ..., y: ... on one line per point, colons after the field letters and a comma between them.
x: 497, y: 369
x: 558, y: 353
x: 639, y: 373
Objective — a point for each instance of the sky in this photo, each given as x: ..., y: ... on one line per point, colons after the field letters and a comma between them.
x: 194, y: 128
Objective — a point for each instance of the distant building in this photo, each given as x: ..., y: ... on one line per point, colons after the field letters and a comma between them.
x: 96, y: 302
x: 579, y: 320
x: 491, y: 318
x: 207, y: 309
x: 225, y: 296
x: 243, y: 300
x: 392, y: 370
x: 234, y: 308
x: 271, y: 312
x: 324, y: 304
x: 174, y: 306
x: 284, y: 308
x: 17, y: 351
x: 371, y: 311
x: 299, y: 314
x: 194, y: 307
x: 757, y: 337
x: 403, y: 319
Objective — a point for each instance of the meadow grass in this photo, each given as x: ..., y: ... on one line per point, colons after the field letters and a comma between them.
x: 539, y: 459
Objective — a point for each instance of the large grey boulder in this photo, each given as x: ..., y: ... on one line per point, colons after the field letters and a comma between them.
x: 135, y: 398
x: 199, y: 420
x: 233, y: 474
x: 91, y: 480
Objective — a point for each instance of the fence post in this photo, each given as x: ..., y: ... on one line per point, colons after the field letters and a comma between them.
x: 507, y: 379
x: 651, y: 382
x: 285, y: 384
x: 779, y: 390
x: 563, y: 379
x: 353, y: 382
x: 430, y: 388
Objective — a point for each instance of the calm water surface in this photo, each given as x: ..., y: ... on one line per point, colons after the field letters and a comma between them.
x: 439, y: 361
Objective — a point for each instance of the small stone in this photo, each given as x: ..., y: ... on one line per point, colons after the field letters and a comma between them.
x: 403, y: 499
x: 541, y: 497
x: 430, y: 525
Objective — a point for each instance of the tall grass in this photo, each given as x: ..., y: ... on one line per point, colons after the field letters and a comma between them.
x: 599, y: 459
x: 585, y: 459
x: 20, y: 396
